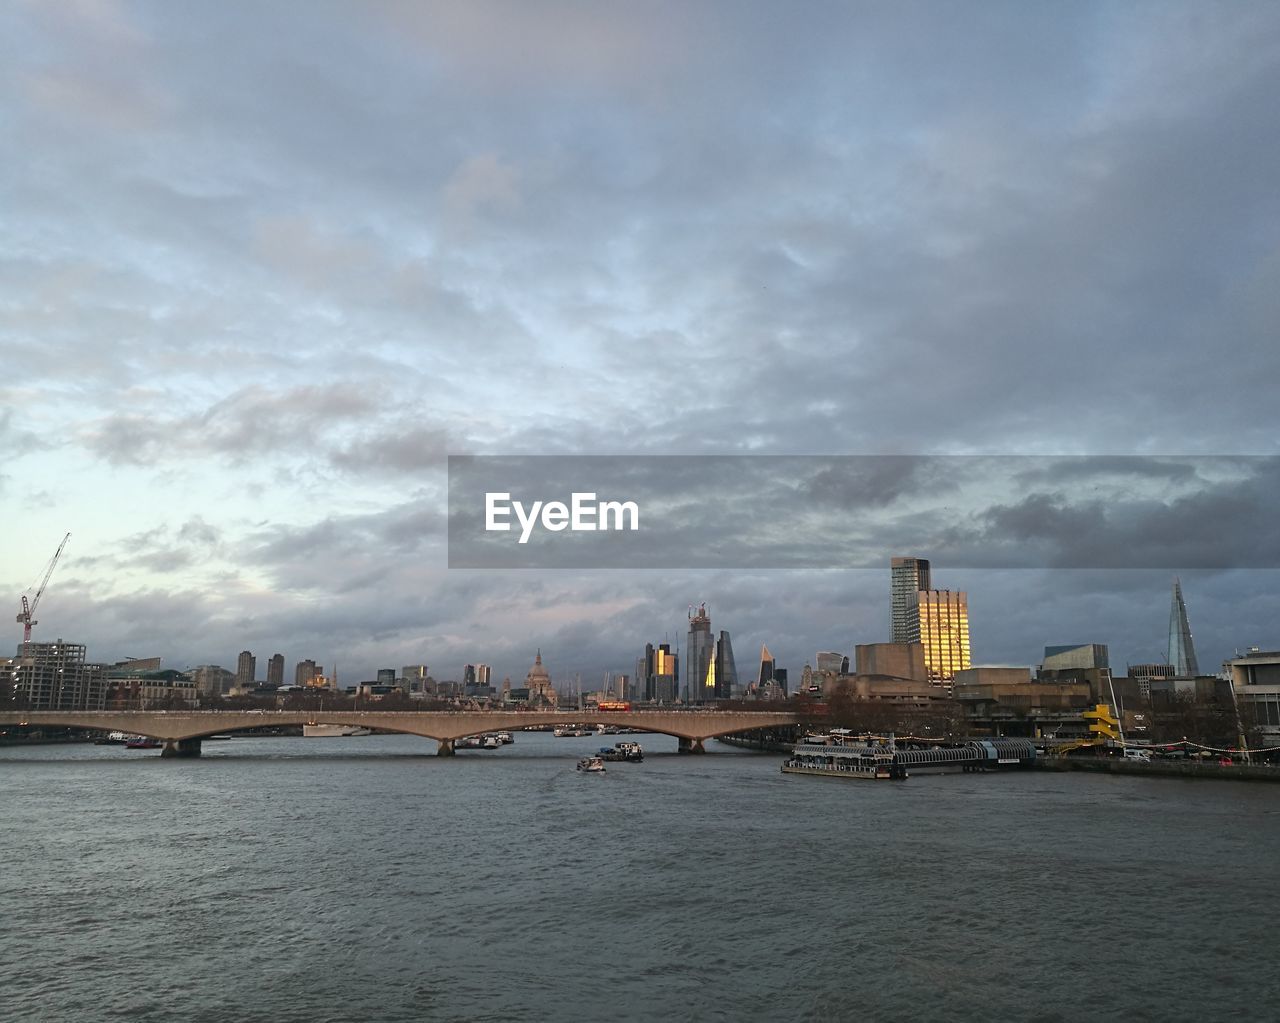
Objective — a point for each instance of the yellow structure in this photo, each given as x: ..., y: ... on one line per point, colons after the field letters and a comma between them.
x: 939, y: 621
x: 1103, y: 724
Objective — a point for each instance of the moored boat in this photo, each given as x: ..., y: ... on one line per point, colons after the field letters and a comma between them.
x: 846, y: 761
x: 143, y: 742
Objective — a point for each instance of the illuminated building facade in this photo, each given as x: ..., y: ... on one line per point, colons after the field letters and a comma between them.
x: 939, y: 621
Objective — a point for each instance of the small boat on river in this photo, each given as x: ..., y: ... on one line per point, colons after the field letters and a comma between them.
x: 591, y: 765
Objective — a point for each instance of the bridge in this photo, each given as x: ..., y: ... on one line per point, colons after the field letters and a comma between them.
x: 182, y: 730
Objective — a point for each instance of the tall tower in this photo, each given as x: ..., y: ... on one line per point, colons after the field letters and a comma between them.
x: 698, y: 653
x: 275, y: 670
x: 246, y: 669
x: 1182, y: 652
x: 909, y: 577
x: 939, y: 621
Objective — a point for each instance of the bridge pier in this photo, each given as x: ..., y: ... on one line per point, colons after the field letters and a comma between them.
x: 181, y: 748
x: 445, y: 748
x: 691, y: 746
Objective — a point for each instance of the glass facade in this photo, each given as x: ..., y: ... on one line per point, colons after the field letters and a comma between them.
x: 939, y: 621
x: 909, y: 577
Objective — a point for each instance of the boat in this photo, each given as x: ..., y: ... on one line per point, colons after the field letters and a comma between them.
x: 143, y: 742
x: 490, y: 742
x: 329, y: 731
x: 469, y: 742
x: 506, y: 738
x: 628, y: 751
x: 591, y: 765
x: 873, y: 762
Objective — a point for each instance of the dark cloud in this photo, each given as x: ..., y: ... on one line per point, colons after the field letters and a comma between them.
x: 266, y: 265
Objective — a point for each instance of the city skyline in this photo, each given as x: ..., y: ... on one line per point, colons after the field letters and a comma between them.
x: 250, y: 320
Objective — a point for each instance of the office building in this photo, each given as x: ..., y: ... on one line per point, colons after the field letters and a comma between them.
x: 939, y: 621
x: 484, y: 675
x: 697, y: 655
x: 1182, y: 651
x: 657, y: 675
x: 212, y: 680
x: 305, y: 671
x: 55, y: 676
x: 275, y: 670
x: 766, y: 666
x: 722, y: 672
x: 908, y: 577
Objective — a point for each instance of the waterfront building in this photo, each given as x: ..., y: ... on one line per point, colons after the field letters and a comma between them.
x: 55, y: 676
x: 1081, y: 656
x: 275, y: 670
x: 132, y: 688
x: 908, y: 576
x: 246, y: 670
x: 939, y: 621
x: 698, y: 652
x: 539, y: 686
x: 891, y: 660
x: 1182, y: 651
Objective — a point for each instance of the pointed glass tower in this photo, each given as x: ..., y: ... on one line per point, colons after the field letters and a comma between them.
x: 1182, y: 652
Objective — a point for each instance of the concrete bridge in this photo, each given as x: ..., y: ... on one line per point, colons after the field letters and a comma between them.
x: 182, y: 730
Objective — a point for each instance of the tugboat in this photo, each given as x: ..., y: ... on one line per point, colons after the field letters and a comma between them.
x: 591, y: 765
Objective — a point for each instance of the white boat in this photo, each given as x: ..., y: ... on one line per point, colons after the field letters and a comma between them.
x: 861, y: 761
x: 329, y: 731
x: 490, y: 742
x: 506, y: 738
x: 591, y: 765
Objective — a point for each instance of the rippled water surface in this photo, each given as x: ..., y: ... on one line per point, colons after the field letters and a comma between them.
x: 367, y: 879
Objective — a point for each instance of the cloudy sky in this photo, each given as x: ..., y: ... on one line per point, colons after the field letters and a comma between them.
x: 263, y: 267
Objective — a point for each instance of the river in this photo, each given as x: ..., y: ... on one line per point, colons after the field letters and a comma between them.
x: 344, y: 879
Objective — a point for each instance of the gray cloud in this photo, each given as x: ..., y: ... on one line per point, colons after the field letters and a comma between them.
x: 277, y: 261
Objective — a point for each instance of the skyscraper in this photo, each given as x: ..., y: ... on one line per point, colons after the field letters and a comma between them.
x: 722, y: 672
x: 908, y: 577
x: 698, y: 651
x: 1182, y: 651
x: 246, y: 669
x: 766, y: 666
x: 275, y: 670
x: 939, y: 621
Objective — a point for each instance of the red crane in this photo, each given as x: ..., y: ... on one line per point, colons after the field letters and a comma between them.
x: 24, y: 616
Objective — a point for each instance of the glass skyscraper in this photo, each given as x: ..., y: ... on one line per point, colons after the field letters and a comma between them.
x: 909, y: 577
x: 1182, y: 652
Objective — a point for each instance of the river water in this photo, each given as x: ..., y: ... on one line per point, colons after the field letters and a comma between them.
x: 343, y: 879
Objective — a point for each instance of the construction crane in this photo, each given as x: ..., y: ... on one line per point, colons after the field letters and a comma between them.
x: 24, y: 616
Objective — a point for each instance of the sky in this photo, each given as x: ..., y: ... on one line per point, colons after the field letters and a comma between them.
x: 265, y: 267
